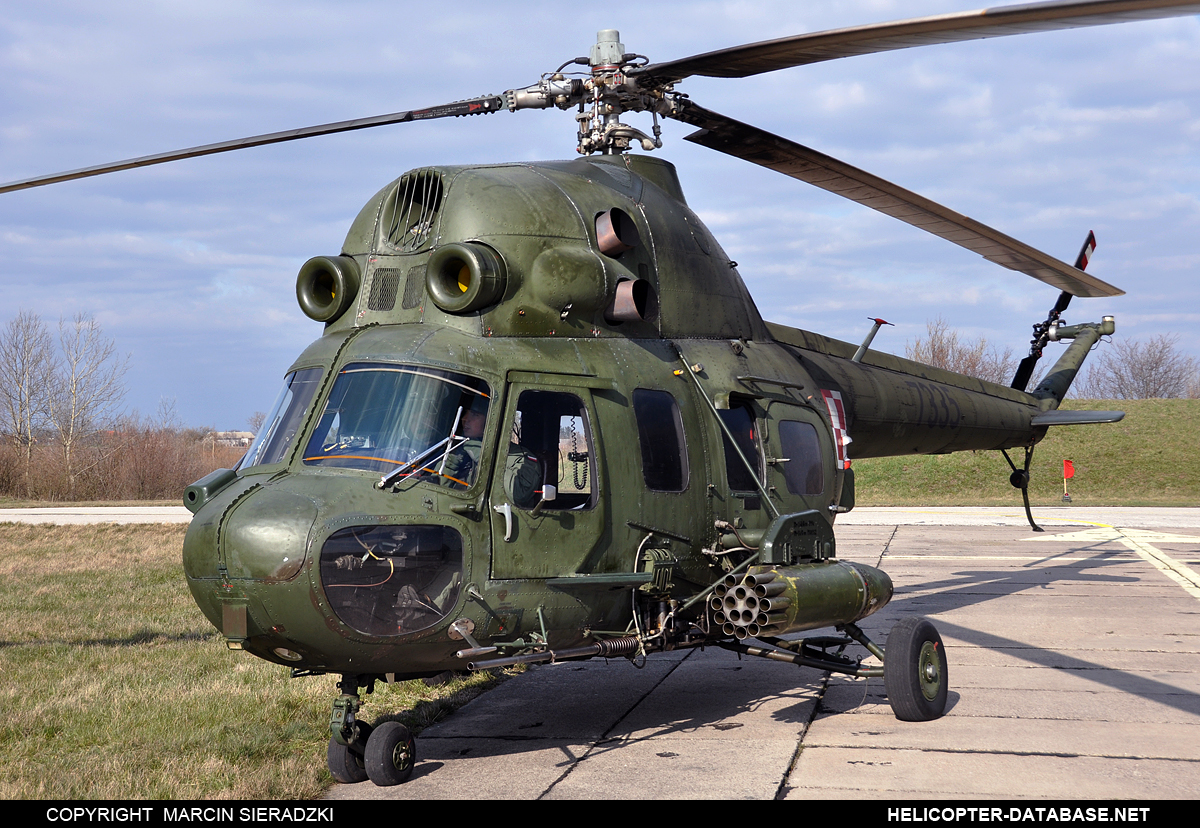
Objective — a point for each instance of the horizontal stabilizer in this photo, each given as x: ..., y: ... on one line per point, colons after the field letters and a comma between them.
x: 1062, y: 418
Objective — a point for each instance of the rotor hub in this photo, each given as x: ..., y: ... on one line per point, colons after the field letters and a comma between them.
x: 609, y: 89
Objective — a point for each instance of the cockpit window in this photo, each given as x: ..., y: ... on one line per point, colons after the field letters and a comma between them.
x: 286, y: 417
x: 550, y: 445
x: 407, y: 420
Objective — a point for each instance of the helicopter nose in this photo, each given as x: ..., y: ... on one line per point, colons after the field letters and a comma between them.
x: 266, y: 537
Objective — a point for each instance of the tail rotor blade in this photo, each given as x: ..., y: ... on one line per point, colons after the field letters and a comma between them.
x: 1085, y: 252
x: 1041, y: 331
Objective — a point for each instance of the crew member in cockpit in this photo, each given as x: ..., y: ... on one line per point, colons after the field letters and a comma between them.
x: 462, y: 463
x: 523, y: 470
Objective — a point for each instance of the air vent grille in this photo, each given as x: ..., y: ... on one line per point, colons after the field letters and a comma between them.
x: 384, y: 285
x: 411, y: 211
x: 414, y: 288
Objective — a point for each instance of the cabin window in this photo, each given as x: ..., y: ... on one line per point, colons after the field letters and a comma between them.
x: 803, y: 470
x: 390, y: 580
x: 279, y: 428
x: 740, y: 420
x: 424, y: 422
x: 550, y: 441
x: 660, y: 434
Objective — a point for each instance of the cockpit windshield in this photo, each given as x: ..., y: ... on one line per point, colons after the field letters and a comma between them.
x: 403, y: 421
x: 279, y: 428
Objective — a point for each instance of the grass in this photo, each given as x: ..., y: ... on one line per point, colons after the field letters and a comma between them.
x: 114, y: 686
x: 18, y: 503
x: 1151, y: 458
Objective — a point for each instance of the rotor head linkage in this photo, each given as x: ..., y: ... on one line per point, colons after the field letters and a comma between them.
x: 603, y: 95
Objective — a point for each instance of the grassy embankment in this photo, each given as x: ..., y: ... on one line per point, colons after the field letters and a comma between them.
x: 1151, y: 458
x: 114, y: 686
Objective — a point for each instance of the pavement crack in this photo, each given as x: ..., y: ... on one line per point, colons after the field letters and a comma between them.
x: 781, y: 792
x: 887, y: 545
x: 605, y: 738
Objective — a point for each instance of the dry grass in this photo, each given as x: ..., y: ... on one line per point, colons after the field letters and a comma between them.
x: 114, y: 686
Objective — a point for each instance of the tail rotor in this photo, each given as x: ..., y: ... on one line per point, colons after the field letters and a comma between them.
x: 1041, y: 331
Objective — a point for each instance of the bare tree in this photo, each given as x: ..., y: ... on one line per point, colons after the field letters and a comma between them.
x: 1134, y: 370
x: 942, y: 348
x: 88, y: 386
x: 27, y: 363
x: 255, y: 420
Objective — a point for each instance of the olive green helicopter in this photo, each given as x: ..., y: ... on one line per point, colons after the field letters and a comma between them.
x: 545, y: 420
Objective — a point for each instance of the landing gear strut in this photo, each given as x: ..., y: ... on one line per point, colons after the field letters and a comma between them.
x: 914, y: 663
x: 385, y: 754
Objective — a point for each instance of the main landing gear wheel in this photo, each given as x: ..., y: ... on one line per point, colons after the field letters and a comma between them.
x: 345, y: 765
x: 391, y: 754
x: 914, y: 671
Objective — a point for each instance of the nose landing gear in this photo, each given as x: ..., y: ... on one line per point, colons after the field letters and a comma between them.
x: 385, y: 754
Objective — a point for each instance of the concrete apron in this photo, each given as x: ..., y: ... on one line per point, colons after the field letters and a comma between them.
x: 1073, y: 666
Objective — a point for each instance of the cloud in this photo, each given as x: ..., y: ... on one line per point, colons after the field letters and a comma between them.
x: 191, y: 266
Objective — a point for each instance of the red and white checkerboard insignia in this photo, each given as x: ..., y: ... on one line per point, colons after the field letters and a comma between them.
x: 837, y: 416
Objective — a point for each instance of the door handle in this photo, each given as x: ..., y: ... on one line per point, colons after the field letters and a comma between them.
x: 506, y: 510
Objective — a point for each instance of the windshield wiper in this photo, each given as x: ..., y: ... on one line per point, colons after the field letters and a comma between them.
x: 449, y: 442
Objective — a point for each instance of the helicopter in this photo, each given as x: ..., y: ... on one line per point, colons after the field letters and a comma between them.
x: 545, y: 420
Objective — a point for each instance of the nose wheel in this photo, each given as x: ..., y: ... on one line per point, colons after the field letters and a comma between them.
x: 391, y: 754
x: 347, y: 763
x: 385, y: 754
x: 914, y: 671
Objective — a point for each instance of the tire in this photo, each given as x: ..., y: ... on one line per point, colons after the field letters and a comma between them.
x: 345, y: 765
x: 914, y: 671
x: 391, y: 754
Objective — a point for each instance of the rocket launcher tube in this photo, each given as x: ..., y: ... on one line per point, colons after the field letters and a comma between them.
x: 807, y: 596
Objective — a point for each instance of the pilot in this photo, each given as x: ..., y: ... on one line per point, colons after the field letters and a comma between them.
x: 523, y: 476
x: 461, y: 464
x: 523, y: 470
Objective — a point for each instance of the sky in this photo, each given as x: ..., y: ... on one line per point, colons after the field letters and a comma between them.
x: 190, y: 267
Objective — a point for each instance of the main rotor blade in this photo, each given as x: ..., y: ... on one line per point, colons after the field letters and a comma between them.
x: 474, y: 106
x: 769, y: 55
x: 768, y: 150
